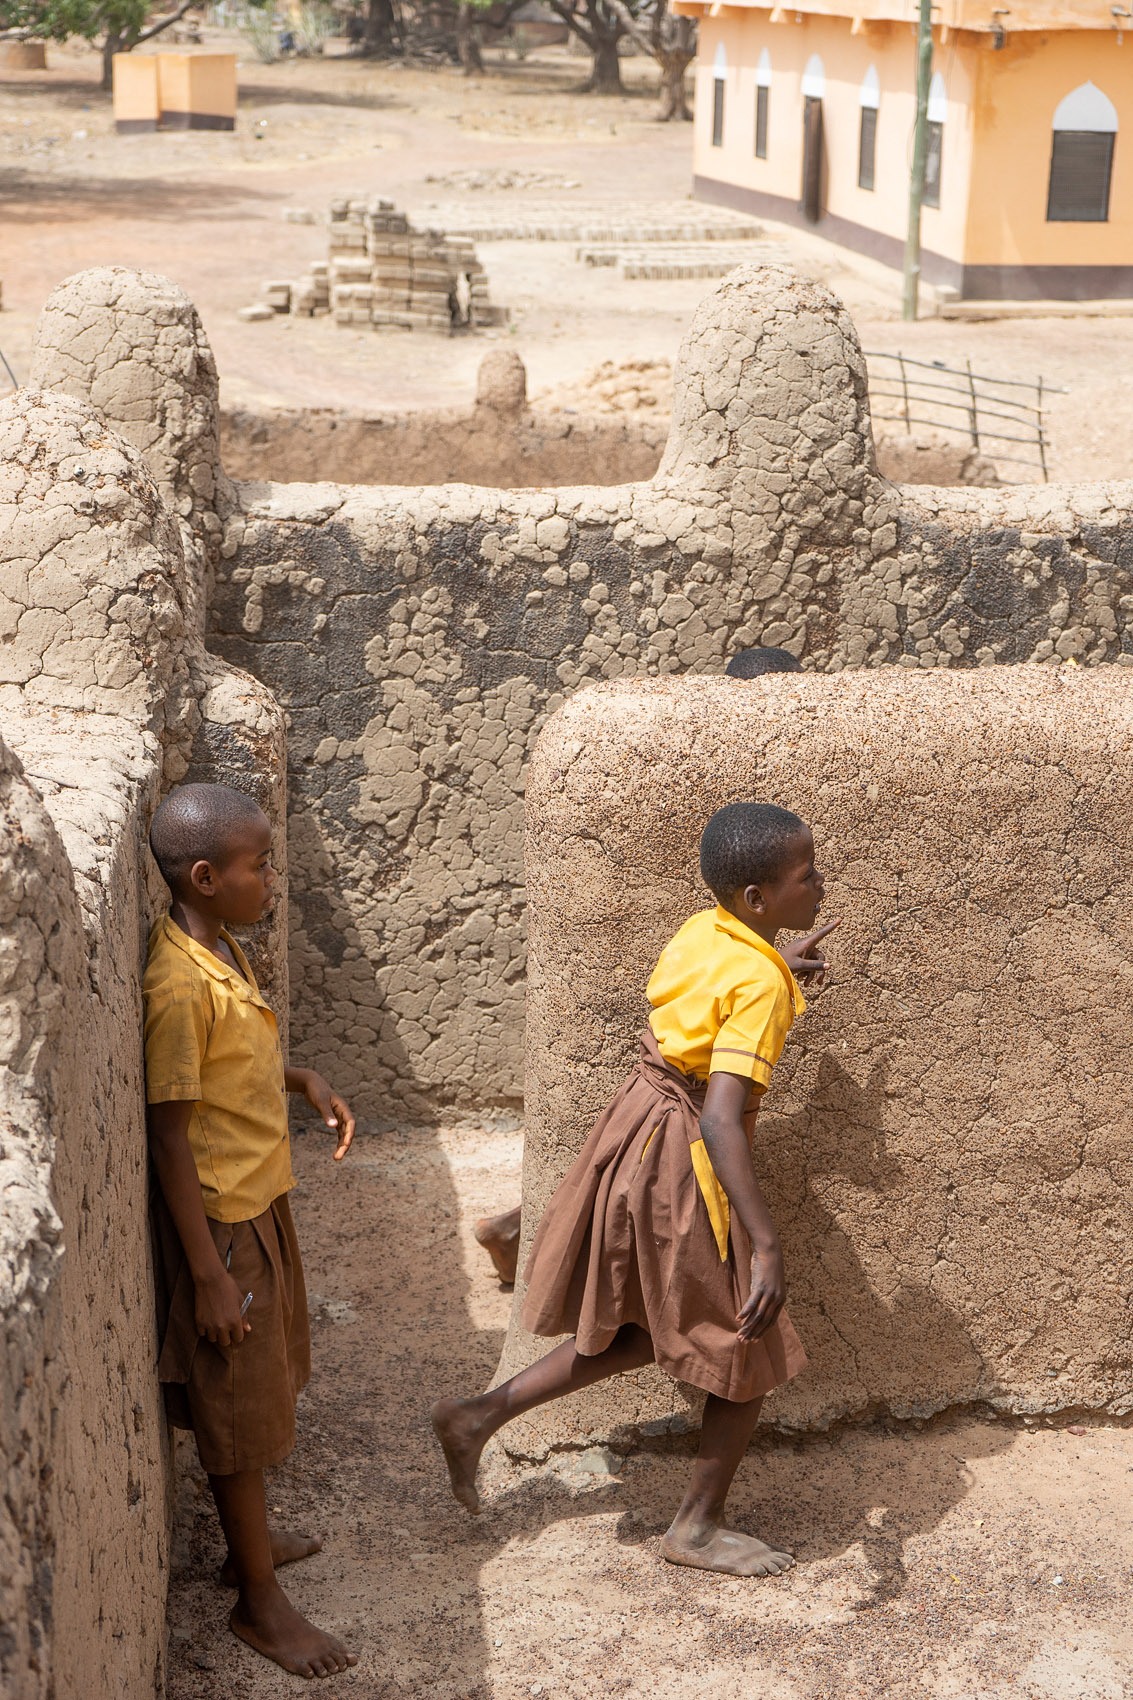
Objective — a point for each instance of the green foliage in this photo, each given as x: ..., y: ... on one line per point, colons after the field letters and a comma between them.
x: 55, y: 20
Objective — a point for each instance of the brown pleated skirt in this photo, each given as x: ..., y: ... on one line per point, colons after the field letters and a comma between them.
x: 239, y: 1401
x: 627, y: 1238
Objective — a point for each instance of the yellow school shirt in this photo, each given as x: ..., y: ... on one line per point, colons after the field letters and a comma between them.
x: 723, y: 1002
x: 212, y: 1040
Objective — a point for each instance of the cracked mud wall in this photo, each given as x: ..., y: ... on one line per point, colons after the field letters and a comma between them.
x: 420, y: 638
x: 946, y: 1145
x: 106, y: 697
x: 500, y: 442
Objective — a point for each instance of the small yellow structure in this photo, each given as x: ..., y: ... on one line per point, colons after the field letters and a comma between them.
x: 175, y: 91
x: 804, y: 113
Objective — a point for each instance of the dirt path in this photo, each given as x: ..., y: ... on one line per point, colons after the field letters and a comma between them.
x: 207, y: 210
x: 962, y: 1560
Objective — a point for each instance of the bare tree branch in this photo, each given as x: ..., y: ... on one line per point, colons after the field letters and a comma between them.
x: 164, y: 23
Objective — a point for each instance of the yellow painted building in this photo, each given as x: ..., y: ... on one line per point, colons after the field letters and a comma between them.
x: 805, y: 114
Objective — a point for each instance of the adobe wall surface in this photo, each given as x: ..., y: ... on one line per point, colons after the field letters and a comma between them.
x: 106, y: 697
x: 499, y: 442
x: 946, y: 1144
x: 418, y: 638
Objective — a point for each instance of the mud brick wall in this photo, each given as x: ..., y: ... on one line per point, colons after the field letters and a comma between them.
x: 418, y: 638
x: 499, y: 441
x: 946, y: 1145
x: 106, y: 698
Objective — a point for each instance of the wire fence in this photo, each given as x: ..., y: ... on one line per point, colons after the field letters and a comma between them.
x: 8, y: 370
x: 988, y: 411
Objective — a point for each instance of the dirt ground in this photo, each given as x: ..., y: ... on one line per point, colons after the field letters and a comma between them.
x: 963, y: 1559
x: 207, y: 210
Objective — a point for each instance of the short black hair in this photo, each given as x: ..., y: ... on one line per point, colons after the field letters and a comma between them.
x: 746, y: 844
x: 753, y: 663
x: 197, y: 823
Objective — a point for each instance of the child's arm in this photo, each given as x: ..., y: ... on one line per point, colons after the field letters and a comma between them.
x: 218, y: 1298
x: 801, y: 957
x: 334, y: 1110
x: 722, y: 1129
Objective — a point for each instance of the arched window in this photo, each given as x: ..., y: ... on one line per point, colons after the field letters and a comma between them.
x: 934, y: 139
x: 762, y: 103
x: 869, y: 97
x: 719, y: 72
x: 814, y: 87
x: 1081, y: 157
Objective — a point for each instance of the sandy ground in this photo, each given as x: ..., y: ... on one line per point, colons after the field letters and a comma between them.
x: 207, y: 210
x: 965, y: 1559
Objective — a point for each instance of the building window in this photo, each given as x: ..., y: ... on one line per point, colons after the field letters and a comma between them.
x: 717, y: 112
x: 934, y: 146
x: 934, y: 140
x: 867, y: 147
x: 762, y: 103
x: 1081, y: 158
x: 869, y: 97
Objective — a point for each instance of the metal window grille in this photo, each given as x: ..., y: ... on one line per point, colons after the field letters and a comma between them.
x: 934, y: 147
x: 762, y: 103
x: 867, y: 147
x: 1081, y: 165
x: 717, y: 112
x: 988, y: 411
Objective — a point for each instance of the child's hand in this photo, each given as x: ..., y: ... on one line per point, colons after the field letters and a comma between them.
x: 217, y: 1301
x: 768, y: 1290
x: 334, y: 1110
x: 803, y: 959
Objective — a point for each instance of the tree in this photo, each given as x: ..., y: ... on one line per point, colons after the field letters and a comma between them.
x: 120, y: 23
x: 600, y: 28
x: 669, y: 39
x: 382, y: 31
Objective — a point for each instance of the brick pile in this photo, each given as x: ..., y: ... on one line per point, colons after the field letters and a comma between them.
x: 380, y: 271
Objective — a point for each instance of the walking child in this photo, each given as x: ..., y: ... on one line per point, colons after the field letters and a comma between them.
x: 657, y: 1245
x: 234, y: 1346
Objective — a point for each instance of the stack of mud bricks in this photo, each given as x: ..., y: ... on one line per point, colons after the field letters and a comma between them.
x: 382, y: 272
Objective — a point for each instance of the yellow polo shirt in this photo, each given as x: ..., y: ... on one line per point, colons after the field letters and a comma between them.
x: 723, y: 1002
x: 212, y: 1040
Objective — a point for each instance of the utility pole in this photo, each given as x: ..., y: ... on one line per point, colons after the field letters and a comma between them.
x: 920, y: 148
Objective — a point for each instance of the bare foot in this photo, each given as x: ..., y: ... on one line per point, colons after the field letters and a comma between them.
x: 462, y: 1441
x: 286, y: 1547
x: 725, y: 1550
x: 268, y: 1621
x: 499, y: 1235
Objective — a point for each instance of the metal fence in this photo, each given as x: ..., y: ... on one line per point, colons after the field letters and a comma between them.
x: 988, y: 411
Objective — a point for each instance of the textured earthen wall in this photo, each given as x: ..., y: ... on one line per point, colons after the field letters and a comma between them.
x: 106, y: 697
x: 946, y: 1144
x: 499, y: 442
x: 419, y: 637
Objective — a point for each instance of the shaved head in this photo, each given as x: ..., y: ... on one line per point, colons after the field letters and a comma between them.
x: 200, y: 823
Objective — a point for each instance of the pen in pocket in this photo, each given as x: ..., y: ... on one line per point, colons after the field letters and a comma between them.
x: 244, y: 1306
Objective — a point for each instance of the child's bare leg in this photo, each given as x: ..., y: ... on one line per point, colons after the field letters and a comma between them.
x: 263, y: 1616
x: 464, y: 1426
x: 499, y: 1235
x: 287, y: 1547
x: 699, y: 1535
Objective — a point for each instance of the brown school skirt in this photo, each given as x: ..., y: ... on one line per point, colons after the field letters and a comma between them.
x: 627, y: 1238
x: 239, y: 1401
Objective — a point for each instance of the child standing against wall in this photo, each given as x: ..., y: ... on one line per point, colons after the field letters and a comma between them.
x: 657, y: 1245
x: 235, y: 1349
